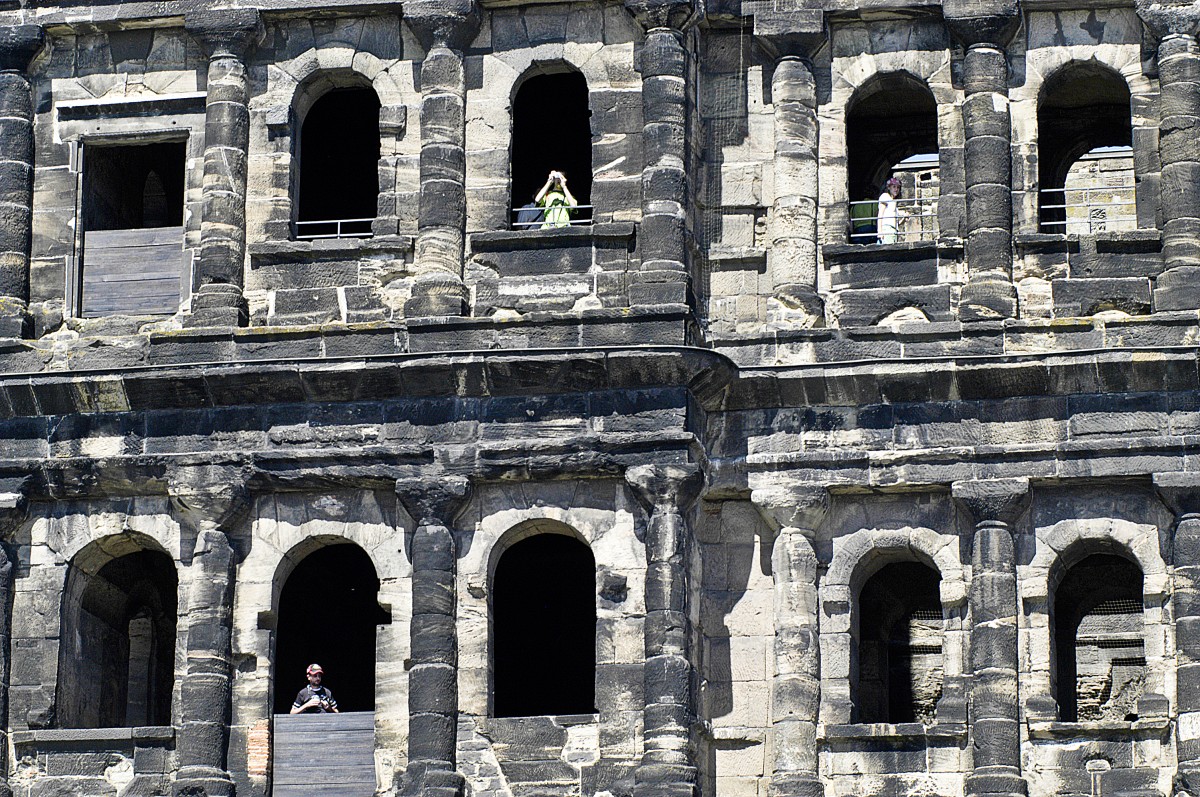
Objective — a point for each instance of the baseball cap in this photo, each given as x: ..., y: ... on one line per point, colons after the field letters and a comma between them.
x: 315, y: 668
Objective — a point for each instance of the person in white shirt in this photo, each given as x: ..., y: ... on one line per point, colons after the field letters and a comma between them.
x: 888, y: 224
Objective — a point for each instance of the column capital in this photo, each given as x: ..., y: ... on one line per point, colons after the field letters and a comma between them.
x: 18, y: 45
x: 985, y: 30
x: 228, y: 33
x: 801, y: 506
x: 1180, y: 492
x: 213, y: 497
x: 434, y: 502
x: 443, y: 23
x: 993, y: 500
x: 14, y: 505
x: 665, y: 486
x: 792, y: 34
x: 1169, y: 19
x: 674, y: 15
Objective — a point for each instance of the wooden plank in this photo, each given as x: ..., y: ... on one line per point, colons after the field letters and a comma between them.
x: 331, y: 755
x: 150, y: 236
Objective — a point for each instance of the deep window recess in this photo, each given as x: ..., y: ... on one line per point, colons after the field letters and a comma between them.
x: 132, y: 229
x: 891, y: 132
x: 339, y: 165
x: 899, y: 640
x: 328, y: 613
x: 544, y: 628
x: 1099, y: 649
x: 1085, y: 160
x: 117, y: 662
x: 551, y: 132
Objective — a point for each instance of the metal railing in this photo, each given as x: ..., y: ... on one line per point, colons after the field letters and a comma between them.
x: 916, y: 220
x: 532, y: 218
x: 333, y: 228
x: 1089, y: 210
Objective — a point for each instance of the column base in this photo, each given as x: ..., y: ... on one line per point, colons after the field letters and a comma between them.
x: 793, y: 785
x: 987, y: 300
x: 996, y: 782
x: 1177, y: 289
x: 655, y: 287
x: 436, y: 295
x: 217, y: 305
x: 665, y: 780
x: 203, y: 782
x: 14, y: 318
x: 430, y: 779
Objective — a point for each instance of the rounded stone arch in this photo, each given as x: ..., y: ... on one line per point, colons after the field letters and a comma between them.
x: 861, y: 554
x: 118, y: 633
x: 1123, y: 536
x: 542, y: 611
x: 339, y: 631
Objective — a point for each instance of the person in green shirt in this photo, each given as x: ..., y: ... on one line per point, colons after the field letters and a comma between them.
x: 555, y: 201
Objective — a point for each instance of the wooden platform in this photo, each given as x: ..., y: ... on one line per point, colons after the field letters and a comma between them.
x: 132, y: 271
x: 331, y: 755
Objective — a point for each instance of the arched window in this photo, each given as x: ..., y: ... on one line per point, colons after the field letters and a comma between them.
x: 117, y: 655
x: 544, y: 628
x: 899, y: 631
x: 551, y: 129
x: 338, y: 153
x: 1085, y: 159
x: 891, y: 131
x: 1099, y: 661
x: 328, y: 613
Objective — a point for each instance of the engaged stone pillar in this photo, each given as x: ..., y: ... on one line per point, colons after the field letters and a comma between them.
x: 444, y: 30
x: 1179, y: 100
x: 18, y: 45
x: 994, y: 706
x: 208, y: 502
x: 1181, y: 493
x: 227, y: 36
x: 433, y: 678
x: 795, y: 514
x: 13, y: 511
x: 664, y: 237
x: 989, y: 292
x: 667, y: 768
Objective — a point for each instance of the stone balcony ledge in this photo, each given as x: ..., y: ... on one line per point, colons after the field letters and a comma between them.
x: 887, y: 731
x: 94, y: 737
x: 1055, y: 729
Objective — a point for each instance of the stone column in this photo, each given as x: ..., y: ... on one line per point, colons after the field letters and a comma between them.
x: 795, y: 514
x: 13, y: 511
x: 227, y: 36
x: 1181, y: 493
x: 994, y: 706
x: 1179, y: 99
x: 668, y: 767
x: 987, y: 161
x: 208, y: 502
x: 444, y: 30
x: 18, y: 45
x: 664, y: 237
x: 433, y: 678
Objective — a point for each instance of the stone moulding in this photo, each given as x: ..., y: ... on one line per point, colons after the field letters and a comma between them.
x: 848, y: 735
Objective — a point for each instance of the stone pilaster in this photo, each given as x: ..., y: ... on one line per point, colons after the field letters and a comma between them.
x: 208, y: 501
x: 664, y: 238
x: 13, y: 511
x: 1181, y: 493
x: 994, y: 707
x: 668, y: 767
x: 444, y: 30
x: 987, y: 160
x: 227, y: 36
x: 795, y: 514
x: 433, y: 678
x: 1175, y: 28
x: 18, y: 45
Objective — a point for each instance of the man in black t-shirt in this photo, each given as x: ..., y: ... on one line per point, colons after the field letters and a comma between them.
x: 314, y: 698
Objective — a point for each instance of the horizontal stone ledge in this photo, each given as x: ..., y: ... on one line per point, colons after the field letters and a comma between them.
x: 886, y: 731
x: 1053, y: 729
x: 158, y: 105
x: 106, y: 16
x: 575, y: 235
x: 100, y: 738
x: 323, y: 249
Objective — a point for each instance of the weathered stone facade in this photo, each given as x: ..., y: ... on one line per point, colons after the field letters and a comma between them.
x: 911, y: 517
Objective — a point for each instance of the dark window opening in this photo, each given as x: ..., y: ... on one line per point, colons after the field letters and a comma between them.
x: 339, y: 165
x: 551, y: 132
x: 891, y: 131
x: 544, y: 628
x: 900, y: 629
x: 1099, y: 648
x: 328, y: 613
x: 117, y: 663
x: 1085, y: 160
x: 133, y: 187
